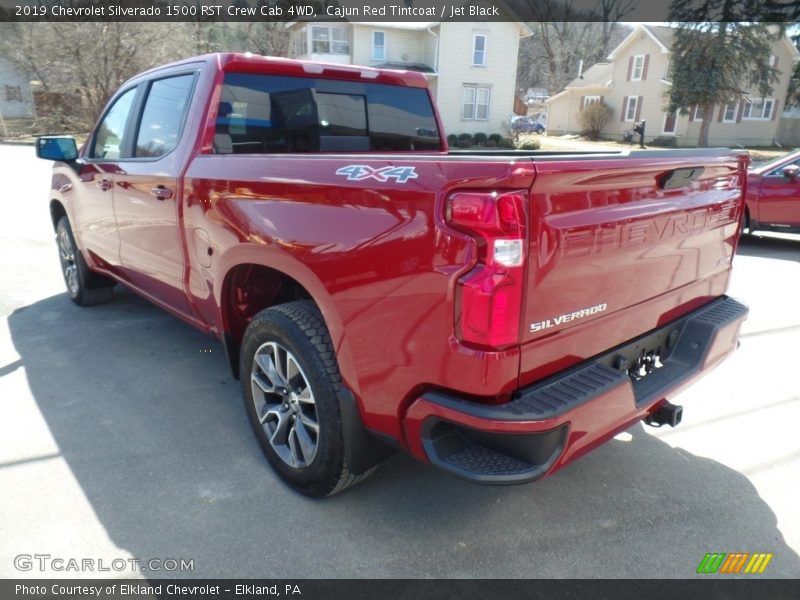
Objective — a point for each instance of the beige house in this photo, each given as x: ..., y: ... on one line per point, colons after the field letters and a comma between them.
x: 471, y: 67
x: 635, y: 80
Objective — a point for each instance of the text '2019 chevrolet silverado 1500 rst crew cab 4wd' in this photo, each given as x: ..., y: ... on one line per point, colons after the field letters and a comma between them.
x: 497, y: 314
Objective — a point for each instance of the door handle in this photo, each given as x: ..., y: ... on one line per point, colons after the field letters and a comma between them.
x: 104, y: 184
x: 161, y: 192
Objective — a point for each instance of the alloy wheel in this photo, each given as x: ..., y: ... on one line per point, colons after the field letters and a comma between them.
x: 68, y: 261
x: 285, y: 406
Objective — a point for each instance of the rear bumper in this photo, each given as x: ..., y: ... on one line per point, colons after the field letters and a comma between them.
x: 555, y: 421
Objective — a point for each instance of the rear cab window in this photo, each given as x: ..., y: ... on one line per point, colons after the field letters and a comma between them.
x: 265, y: 114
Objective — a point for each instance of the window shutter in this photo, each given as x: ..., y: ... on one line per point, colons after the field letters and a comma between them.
x: 583, y: 102
x: 692, y: 110
x: 630, y: 67
x: 775, y: 108
x: 775, y: 64
x: 722, y: 108
x: 741, y: 111
x: 602, y: 99
x: 624, y: 108
x: 644, y: 68
x: 638, y: 109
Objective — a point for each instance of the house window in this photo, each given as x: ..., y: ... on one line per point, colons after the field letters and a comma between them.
x: 638, y: 67
x: 698, y: 113
x: 759, y: 109
x: 476, y: 103
x: 329, y: 40
x: 773, y: 63
x: 666, y: 68
x: 729, y: 115
x: 630, y: 109
x: 13, y: 93
x: 589, y: 100
x: 479, y: 51
x: 378, y: 45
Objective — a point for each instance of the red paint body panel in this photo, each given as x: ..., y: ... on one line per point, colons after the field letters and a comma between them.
x: 381, y: 262
x: 604, y: 233
x: 377, y: 259
x: 773, y: 200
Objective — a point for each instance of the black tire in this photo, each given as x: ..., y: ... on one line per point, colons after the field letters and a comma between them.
x: 83, y: 287
x: 285, y: 405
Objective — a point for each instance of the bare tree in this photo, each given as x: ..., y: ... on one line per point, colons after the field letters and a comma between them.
x: 269, y: 39
x: 87, y: 60
x: 550, y: 57
x: 83, y: 63
x: 593, y: 118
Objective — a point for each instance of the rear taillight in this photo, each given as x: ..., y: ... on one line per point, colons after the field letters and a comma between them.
x: 490, y: 295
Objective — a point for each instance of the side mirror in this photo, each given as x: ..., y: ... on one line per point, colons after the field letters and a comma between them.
x: 63, y: 149
x: 791, y: 172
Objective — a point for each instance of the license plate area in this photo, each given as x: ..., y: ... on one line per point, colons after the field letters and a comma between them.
x: 662, y: 359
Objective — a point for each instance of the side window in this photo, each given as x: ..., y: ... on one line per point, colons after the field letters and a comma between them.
x: 108, y: 139
x: 163, y: 115
x: 779, y: 171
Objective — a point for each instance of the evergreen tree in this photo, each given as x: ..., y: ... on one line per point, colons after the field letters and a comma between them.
x: 721, y: 51
x: 793, y: 95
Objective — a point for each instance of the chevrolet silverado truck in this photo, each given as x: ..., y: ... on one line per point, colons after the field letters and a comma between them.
x: 772, y: 202
x: 497, y: 314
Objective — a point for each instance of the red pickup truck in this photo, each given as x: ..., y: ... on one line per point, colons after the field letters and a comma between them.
x: 497, y: 314
x: 773, y: 196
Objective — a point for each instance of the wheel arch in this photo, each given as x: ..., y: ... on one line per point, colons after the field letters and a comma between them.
x: 57, y: 211
x: 253, y: 278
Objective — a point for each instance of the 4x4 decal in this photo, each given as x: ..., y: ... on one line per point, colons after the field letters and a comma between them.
x: 363, y: 172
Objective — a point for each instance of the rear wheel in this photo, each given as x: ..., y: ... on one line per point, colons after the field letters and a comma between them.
x: 291, y: 386
x: 84, y: 287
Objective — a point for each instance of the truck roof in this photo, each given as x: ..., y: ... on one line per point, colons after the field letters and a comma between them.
x: 272, y: 65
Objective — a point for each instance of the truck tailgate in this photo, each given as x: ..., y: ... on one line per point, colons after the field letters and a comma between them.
x: 619, y: 247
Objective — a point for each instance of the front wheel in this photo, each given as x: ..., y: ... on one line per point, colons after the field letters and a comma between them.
x: 291, y: 386
x: 84, y: 287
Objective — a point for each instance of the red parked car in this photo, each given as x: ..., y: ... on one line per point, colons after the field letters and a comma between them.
x: 773, y: 195
x: 497, y: 314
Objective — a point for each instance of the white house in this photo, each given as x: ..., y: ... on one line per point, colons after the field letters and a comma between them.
x: 471, y: 67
